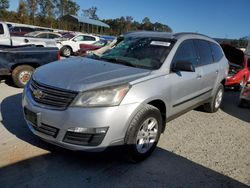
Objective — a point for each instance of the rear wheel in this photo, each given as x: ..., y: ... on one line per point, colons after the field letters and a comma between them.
x: 66, y: 51
x: 215, y: 103
x: 143, y: 133
x: 21, y: 75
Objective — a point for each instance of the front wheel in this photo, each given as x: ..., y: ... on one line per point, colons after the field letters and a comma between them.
x: 143, y: 133
x: 21, y: 75
x: 215, y: 103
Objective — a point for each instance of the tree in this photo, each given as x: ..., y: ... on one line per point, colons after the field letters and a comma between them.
x: 67, y: 7
x: 32, y: 6
x: 47, y: 10
x: 22, y: 16
x: 4, y: 5
x: 91, y: 13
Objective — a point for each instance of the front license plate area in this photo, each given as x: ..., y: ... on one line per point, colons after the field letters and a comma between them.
x: 31, y: 116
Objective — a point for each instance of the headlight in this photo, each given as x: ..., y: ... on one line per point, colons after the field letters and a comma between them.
x: 111, y: 96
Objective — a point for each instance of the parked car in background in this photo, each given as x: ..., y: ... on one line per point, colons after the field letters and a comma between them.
x: 86, y: 49
x: 239, y: 69
x: 245, y: 95
x: 43, y: 34
x: 72, y: 45
x: 7, y: 39
x: 20, y: 61
x: 126, y: 96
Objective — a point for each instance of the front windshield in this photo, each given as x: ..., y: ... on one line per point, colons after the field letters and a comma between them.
x: 148, y: 53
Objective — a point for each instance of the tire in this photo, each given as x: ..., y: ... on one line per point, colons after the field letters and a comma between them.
x: 66, y: 51
x: 21, y: 75
x: 215, y: 103
x: 140, y: 143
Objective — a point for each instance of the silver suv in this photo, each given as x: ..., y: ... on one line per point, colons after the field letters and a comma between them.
x: 126, y: 96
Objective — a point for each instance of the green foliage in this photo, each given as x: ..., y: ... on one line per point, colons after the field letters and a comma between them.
x: 90, y: 13
x: 46, y: 13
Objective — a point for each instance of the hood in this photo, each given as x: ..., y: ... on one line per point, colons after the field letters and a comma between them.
x: 80, y: 74
x: 234, y: 55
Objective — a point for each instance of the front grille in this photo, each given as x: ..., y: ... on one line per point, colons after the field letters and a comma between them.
x: 50, y: 96
x: 83, y: 139
x: 46, y: 129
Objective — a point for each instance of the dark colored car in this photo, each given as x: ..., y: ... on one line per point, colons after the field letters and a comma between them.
x: 87, y: 48
x: 239, y: 72
x: 20, y: 61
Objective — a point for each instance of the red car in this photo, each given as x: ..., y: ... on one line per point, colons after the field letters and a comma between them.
x: 86, y: 48
x: 239, y: 72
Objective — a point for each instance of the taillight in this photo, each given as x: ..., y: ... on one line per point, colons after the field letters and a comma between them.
x: 58, y: 55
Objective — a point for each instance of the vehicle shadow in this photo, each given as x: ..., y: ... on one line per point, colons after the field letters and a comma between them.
x: 63, y: 168
x: 8, y: 81
x: 70, y: 169
x: 230, y: 106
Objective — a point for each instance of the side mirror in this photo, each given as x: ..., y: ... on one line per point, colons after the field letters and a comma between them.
x: 183, y: 66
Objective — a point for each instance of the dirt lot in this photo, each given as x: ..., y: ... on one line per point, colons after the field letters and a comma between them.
x: 196, y: 150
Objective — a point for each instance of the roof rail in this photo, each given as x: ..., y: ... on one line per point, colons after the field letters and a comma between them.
x: 191, y: 33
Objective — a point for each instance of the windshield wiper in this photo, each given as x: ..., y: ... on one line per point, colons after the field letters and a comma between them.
x: 119, y: 61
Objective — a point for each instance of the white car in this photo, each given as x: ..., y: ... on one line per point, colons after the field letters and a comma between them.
x: 70, y: 46
x: 43, y: 34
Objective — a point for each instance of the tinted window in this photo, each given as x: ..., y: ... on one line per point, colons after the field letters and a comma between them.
x: 42, y: 35
x: 88, y: 38
x: 27, y: 29
x: 1, y: 29
x: 216, y: 52
x: 52, y: 36
x: 186, y: 52
x: 204, y: 52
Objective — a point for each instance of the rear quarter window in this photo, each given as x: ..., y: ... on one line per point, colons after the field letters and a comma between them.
x: 216, y: 52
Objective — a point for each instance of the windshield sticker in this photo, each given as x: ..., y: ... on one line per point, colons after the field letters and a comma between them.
x: 160, y: 43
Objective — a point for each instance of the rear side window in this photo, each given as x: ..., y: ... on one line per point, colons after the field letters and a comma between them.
x: 52, y: 36
x: 186, y: 53
x: 204, y: 51
x: 42, y: 35
x: 216, y: 52
x: 1, y: 29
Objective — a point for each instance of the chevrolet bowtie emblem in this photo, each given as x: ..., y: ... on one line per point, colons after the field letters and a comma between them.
x: 38, y: 94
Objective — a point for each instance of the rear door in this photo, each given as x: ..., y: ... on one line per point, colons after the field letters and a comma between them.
x: 209, y: 69
x: 185, y: 86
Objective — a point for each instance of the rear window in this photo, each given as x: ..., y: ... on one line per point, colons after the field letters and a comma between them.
x: 216, y: 52
x: 204, y: 51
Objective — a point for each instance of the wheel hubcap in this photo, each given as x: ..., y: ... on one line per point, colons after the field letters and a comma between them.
x: 24, y: 76
x: 67, y: 52
x: 218, y: 98
x: 147, y: 135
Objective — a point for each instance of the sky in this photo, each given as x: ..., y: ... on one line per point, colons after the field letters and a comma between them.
x: 215, y: 18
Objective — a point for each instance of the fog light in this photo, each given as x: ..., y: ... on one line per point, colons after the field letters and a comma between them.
x: 99, y: 130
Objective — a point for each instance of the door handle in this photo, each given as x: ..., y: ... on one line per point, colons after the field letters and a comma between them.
x: 217, y: 71
x: 199, y: 76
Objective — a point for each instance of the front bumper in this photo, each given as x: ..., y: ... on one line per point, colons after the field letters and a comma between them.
x: 53, y: 125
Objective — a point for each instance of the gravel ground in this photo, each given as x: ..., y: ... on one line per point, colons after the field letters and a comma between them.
x: 197, y: 150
